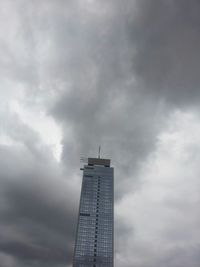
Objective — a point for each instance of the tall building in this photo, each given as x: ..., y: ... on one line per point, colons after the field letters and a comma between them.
x: 94, y: 236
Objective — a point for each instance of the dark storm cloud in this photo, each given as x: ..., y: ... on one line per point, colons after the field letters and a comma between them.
x: 102, y: 105
x: 37, y: 211
x: 133, y: 62
x: 144, y: 61
x: 166, y: 37
x: 109, y: 73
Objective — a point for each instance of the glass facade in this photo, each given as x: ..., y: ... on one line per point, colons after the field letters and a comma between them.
x: 94, y: 236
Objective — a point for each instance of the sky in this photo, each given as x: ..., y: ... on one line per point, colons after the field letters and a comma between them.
x: 76, y: 74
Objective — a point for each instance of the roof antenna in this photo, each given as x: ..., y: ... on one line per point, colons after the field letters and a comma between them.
x: 99, y: 152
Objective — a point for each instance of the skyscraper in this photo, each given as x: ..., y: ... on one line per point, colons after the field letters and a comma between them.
x: 94, y: 235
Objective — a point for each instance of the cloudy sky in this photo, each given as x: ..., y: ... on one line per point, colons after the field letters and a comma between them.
x: 78, y: 73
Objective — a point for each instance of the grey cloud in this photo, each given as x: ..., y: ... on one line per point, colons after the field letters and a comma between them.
x: 94, y: 123
x: 102, y: 105
x: 146, y: 53
x: 180, y: 257
x: 166, y: 38
x: 109, y: 74
x: 38, y: 211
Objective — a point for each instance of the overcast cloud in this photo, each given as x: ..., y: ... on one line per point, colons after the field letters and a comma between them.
x: 78, y: 74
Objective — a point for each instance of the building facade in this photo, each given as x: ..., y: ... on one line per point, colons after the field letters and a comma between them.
x: 94, y: 236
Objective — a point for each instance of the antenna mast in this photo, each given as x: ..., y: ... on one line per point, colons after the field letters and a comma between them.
x: 99, y: 152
